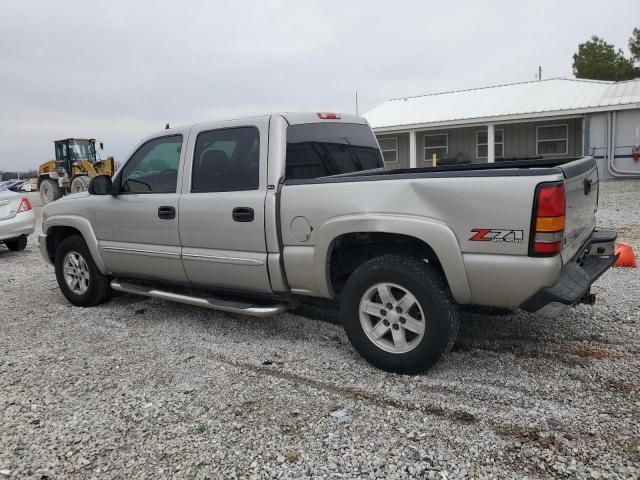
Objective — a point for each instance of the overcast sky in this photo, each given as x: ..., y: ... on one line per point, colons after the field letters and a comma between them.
x: 120, y: 70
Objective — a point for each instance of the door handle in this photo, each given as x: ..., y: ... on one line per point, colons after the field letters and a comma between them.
x: 243, y: 214
x: 166, y: 213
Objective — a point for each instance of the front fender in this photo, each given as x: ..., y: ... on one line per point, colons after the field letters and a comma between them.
x: 434, y: 233
x: 86, y: 230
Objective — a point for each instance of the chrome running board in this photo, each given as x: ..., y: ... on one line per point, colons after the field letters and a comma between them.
x: 200, y: 301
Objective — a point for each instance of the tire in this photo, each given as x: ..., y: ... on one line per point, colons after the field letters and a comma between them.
x: 434, y: 312
x: 16, y: 244
x: 85, y: 286
x: 50, y: 191
x: 79, y: 184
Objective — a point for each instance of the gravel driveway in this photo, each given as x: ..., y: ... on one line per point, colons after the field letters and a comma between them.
x: 142, y: 388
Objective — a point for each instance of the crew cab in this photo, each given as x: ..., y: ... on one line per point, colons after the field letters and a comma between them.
x: 252, y: 215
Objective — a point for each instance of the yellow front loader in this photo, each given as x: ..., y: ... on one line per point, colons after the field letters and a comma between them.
x: 76, y: 163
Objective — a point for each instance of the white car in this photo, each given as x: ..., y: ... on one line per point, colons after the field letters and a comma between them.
x: 17, y: 219
x: 25, y: 187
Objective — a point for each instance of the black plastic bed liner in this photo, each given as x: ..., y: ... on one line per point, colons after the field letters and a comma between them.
x: 500, y: 165
x: 512, y: 168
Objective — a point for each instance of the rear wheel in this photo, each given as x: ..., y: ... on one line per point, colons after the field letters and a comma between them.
x: 399, y: 314
x: 16, y: 244
x: 50, y: 191
x: 78, y: 277
x: 79, y: 184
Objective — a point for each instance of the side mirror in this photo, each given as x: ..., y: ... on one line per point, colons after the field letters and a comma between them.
x: 101, y: 146
x: 101, y: 185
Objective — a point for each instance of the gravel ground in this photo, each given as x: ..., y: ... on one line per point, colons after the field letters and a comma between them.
x: 141, y: 388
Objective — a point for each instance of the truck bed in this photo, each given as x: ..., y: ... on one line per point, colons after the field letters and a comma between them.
x: 458, y: 201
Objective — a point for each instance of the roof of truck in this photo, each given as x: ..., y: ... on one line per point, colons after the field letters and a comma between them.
x: 75, y: 138
x: 555, y: 96
x: 292, y: 118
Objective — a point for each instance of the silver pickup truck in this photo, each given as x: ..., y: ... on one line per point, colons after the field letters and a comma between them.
x: 252, y: 215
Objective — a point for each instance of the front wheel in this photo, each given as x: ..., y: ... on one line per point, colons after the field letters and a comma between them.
x: 78, y: 277
x: 399, y: 313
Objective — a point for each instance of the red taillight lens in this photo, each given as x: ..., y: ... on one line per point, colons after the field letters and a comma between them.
x: 328, y: 116
x: 25, y: 205
x: 547, y: 227
x: 551, y: 202
x: 547, y: 248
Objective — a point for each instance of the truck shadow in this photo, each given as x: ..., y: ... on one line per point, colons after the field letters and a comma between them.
x: 6, y: 253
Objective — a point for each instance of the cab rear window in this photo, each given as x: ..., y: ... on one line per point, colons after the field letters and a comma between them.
x: 317, y: 150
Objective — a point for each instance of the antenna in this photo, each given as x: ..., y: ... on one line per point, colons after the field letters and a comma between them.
x: 539, y: 72
x: 357, y: 112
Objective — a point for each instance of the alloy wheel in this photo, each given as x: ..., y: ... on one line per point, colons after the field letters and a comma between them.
x: 76, y: 273
x: 392, y: 318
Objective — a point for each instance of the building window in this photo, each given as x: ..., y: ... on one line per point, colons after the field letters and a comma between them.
x: 438, y: 144
x: 389, y: 148
x: 482, y: 144
x: 552, y: 140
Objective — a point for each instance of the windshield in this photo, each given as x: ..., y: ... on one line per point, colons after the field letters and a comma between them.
x: 323, y: 149
x: 76, y: 150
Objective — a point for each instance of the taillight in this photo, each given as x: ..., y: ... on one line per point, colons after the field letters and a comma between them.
x: 548, y: 222
x: 328, y: 116
x: 25, y: 205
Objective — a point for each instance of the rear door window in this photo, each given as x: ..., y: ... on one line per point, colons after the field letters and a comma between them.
x: 323, y: 149
x: 226, y: 160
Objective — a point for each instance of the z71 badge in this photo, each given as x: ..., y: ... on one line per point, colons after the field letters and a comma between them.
x: 497, y: 235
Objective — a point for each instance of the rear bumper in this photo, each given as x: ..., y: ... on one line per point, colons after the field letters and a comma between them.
x: 22, y: 224
x: 576, y: 277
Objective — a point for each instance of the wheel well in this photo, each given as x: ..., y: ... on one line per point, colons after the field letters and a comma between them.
x: 55, y: 236
x: 351, y: 250
x: 42, y: 177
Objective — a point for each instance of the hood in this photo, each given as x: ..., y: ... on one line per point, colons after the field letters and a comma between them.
x: 67, y: 205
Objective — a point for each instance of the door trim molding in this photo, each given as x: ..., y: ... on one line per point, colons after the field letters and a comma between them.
x: 140, y: 251
x: 222, y: 259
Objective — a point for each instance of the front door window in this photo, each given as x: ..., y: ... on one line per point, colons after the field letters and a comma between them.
x: 154, y: 167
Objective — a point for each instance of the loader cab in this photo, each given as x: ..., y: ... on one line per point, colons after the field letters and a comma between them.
x: 70, y: 150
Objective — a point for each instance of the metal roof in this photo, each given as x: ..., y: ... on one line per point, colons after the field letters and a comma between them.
x: 555, y: 96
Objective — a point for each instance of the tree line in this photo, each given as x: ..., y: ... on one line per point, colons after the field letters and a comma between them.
x: 8, y: 174
x: 598, y: 60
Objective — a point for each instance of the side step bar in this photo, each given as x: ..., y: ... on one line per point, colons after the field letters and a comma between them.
x: 198, y: 301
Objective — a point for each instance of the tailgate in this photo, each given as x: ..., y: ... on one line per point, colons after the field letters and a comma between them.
x: 581, y: 190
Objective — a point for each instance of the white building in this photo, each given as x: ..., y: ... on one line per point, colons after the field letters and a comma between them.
x: 544, y: 119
